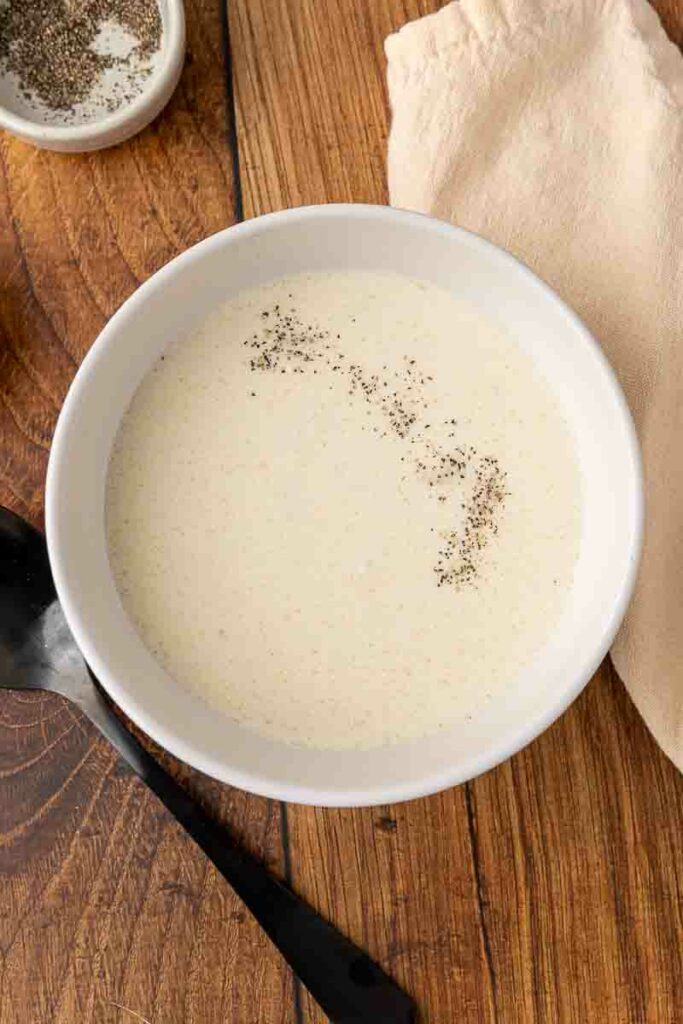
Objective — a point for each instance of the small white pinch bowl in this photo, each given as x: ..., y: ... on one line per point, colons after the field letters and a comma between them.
x: 176, y: 299
x: 22, y: 119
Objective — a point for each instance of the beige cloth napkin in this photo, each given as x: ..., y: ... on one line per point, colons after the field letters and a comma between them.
x: 555, y: 128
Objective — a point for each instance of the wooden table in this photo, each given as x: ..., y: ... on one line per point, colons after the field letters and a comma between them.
x: 550, y: 890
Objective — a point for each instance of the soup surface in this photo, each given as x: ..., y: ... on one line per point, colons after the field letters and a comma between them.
x: 345, y: 511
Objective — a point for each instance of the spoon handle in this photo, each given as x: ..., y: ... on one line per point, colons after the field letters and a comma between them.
x: 347, y: 984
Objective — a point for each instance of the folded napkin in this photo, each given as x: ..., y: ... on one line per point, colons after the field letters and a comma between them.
x: 555, y: 128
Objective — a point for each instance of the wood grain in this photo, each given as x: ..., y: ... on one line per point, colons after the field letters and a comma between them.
x: 550, y: 890
x: 103, y: 900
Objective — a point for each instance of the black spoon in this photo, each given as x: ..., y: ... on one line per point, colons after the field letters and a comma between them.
x: 37, y: 651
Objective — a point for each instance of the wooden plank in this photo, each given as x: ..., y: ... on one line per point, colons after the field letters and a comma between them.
x: 103, y: 900
x: 671, y: 14
x: 550, y: 889
x: 311, y: 102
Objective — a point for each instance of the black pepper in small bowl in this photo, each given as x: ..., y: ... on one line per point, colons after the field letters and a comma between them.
x: 70, y: 64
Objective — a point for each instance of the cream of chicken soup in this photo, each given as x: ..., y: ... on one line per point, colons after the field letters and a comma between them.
x: 346, y: 510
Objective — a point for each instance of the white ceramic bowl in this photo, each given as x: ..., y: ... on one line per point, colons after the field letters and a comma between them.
x: 17, y: 116
x: 177, y: 298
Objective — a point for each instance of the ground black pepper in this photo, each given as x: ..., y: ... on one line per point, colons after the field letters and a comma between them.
x: 286, y: 344
x: 49, y: 46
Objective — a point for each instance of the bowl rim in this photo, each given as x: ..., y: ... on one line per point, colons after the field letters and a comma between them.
x: 133, y: 115
x: 266, y: 784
